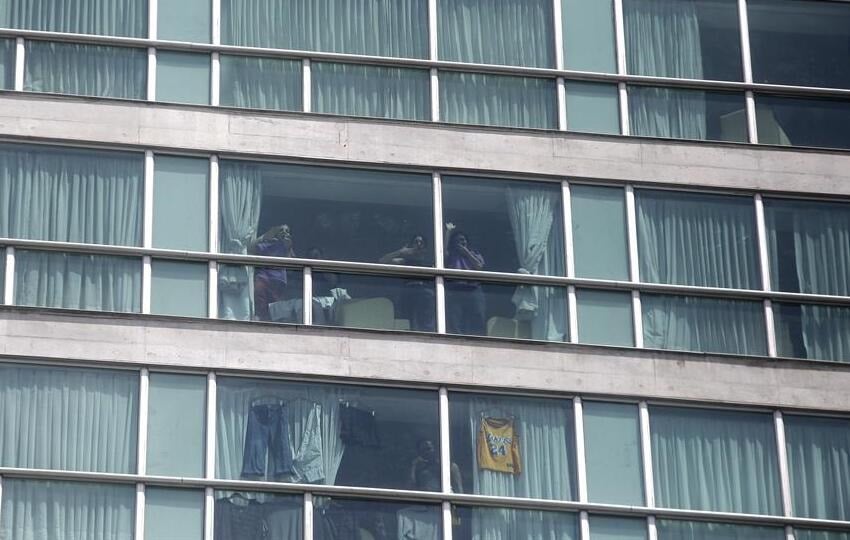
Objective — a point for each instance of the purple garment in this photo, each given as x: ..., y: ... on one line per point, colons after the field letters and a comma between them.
x: 272, y: 248
x: 457, y: 261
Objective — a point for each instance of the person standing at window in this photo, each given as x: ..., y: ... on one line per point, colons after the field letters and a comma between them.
x: 465, y: 302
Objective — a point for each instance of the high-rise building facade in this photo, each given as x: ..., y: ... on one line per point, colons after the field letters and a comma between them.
x: 424, y: 269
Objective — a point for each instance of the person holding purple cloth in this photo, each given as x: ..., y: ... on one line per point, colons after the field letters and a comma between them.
x: 270, y: 282
x: 465, y: 302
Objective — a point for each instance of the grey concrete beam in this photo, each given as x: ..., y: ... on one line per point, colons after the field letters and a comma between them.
x: 432, y: 360
x: 439, y: 146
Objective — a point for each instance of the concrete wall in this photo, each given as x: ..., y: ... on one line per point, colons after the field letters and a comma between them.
x: 439, y: 146
x: 158, y: 341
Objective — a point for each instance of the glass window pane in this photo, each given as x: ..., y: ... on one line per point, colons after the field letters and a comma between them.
x: 261, y: 83
x: 605, y: 317
x: 613, y: 457
x: 588, y: 28
x: 249, y: 515
x: 327, y: 434
x: 373, y: 27
x: 800, y: 42
x: 174, y: 514
x: 176, y: 425
x: 41, y: 510
x: 382, y: 302
x: 809, y: 246
x: 75, y: 281
x: 681, y: 113
x: 701, y: 324
x: 326, y: 213
x: 357, y: 518
x: 803, y: 121
x: 593, y: 107
x: 616, y: 528
x: 811, y: 534
x: 714, y: 460
x: 498, y: 100
x: 71, y: 195
x: 813, y: 332
x: 503, y: 226
x: 186, y: 20
x: 68, y: 418
x: 7, y: 64
x: 182, y: 77
x: 506, y: 310
x: 697, y: 239
x: 512, y: 446
x: 599, y: 232
x: 686, y: 39
x: 181, y: 203
x: 485, y: 523
x: 699, y: 530
x: 104, y: 17
x: 510, y: 32
x: 267, y: 293
x: 88, y: 70
x: 179, y: 288
x: 384, y: 92
x: 819, y: 466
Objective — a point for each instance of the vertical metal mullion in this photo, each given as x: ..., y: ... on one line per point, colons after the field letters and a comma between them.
x: 213, y: 210
x: 439, y: 262
x: 147, y: 231
x: 153, y: 10
x: 215, y: 9
x: 651, y: 528
x: 764, y: 265
x: 306, y: 85
x: 142, y: 439
x: 747, y: 65
x: 559, y: 63
x: 209, y: 456
x: 562, y: 103
x: 567, y: 224
x: 435, y: 94
x: 9, y: 285
x: 432, y: 54
x: 215, y: 79
x: 151, y: 74
x: 634, y: 267
x: 140, y: 512
x: 20, y: 62
x: 620, y: 35
x: 445, y: 449
x: 307, y: 309
x: 447, y: 520
x: 782, y: 455
x: 646, y: 455
x: 308, y: 516
x: 581, y: 462
x: 1, y: 492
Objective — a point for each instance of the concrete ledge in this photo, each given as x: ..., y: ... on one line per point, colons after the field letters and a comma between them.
x: 433, y: 146
x: 363, y: 355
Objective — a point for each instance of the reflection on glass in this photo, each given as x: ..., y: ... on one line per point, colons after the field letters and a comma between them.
x: 498, y: 100
x: 88, y: 70
x: 175, y: 514
x: 696, y: 239
x: 588, y: 28
x: 510, y: 32
x: 176, y: 441
x: 384, y: 92
x: 187, y: 20
x: 717, y: 460
x: 612, y: 439
x: 336, y: 518
x: 593, y: 107
x: 682, y: 113
x: 599, y: 231
x: 181, y: 203
x: 799, y: 42
x: 325, y: 212
x: 179, y: 288
x: 688, y: 39
x: 505, y: 310
x: 96, y: 430
x: 699, y: 530
x: 503, y: 226
x: 261, y: 83
x: 183, y: 77
x: 381, y: 302
x: 814, y: 332
x: 325, y: 434
x: 703, y: 324
x: 40, y: 510
x: 248, y: 516
x: 803, y: 121
x: 605, y: 317
x: 512, y: 446
x: 76, y: 281
x: 819, y: 466
x: 617, y: 528
x: 809, y: 246
x: 268, y: 293
x: 489, y: 523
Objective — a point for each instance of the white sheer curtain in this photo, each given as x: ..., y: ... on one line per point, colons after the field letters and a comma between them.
x: 539, y: 246
x: 509, y: 524
x: 38, y: 510
x: 544, y: 430
x: 826, y: 332
x: 70, y: 419
x: 703, y: 324
x: 241, y: 188
x: 234, y: 403
x: 104, y: 17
